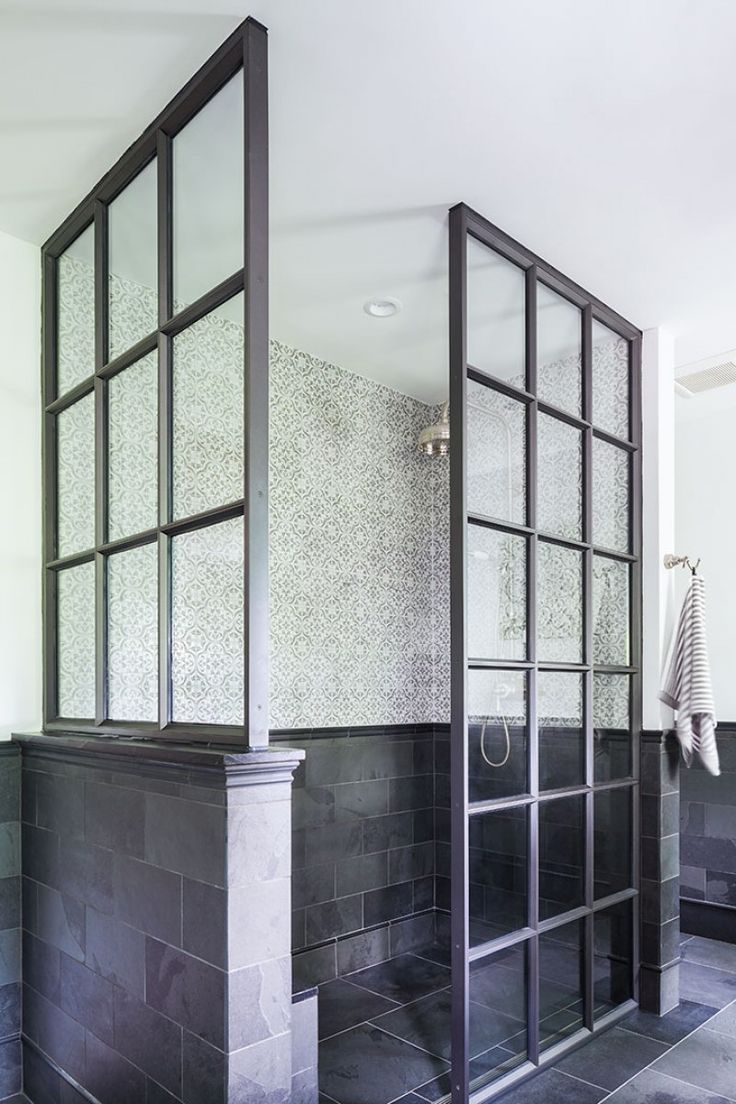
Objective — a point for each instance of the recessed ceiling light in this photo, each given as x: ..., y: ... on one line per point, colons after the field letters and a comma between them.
x: 382, y: 307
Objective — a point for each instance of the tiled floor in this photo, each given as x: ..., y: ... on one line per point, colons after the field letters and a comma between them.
x: 385, y: 1040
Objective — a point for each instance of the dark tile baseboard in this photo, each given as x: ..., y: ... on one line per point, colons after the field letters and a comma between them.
x: 708, y: 919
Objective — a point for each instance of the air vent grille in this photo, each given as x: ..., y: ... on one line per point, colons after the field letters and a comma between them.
x: 720, y: 375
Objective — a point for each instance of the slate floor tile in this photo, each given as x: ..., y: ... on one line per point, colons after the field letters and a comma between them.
x: 612, y: 1058
x: 435, y: 953
x: 367, y: 1066
x: 649, y: 1087
x: 403, y: 979
x: 427, y: 1024
x: 553, y: 1087
x: 706, y: 1059
x: 440, y: 1087
x: 710, y: 952
x: 725, y: 1021
x: 673, y: 1026
x: 706, y: 985
x: 342, y: 1005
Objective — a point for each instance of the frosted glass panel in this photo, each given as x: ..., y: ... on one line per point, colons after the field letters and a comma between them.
x: 496, y: 314
x: 133, y: 634
x: 208, y: 195
x: 496, y: 454
x: 133, y: 263
x: 610, y: 381
x: 208, y: 411
x: 496, y: 594
x: 207, y: 624
x: 76, y: 476
x: 610, y: 496
x: 133, y: 443
x: 559, y: 351
x: 610, y: 612
x: 610, y: 701
x: 76, y: 643
x: 560, y: 604
x: 560, y: 478
x: 76, y: 312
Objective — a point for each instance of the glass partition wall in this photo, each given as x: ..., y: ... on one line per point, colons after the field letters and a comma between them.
x: 156, y: 425
x: 545, y: 623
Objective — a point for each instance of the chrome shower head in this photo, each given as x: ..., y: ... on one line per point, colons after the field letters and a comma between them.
x: 435, y: 439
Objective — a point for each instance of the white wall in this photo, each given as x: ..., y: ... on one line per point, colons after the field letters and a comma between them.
x: 20, y: 487
x: 705, y: 523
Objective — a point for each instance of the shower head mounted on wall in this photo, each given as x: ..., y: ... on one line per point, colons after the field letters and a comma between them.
x: 435, y: 439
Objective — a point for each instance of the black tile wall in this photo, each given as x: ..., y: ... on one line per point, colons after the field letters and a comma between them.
x: 10, y: 913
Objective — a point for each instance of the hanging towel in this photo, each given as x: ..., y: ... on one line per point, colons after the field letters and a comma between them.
x: 687, y: 687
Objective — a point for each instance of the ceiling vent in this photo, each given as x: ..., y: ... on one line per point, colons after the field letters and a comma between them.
x: 720, y: 375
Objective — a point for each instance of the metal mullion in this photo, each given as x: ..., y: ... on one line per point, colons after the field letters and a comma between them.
x: 587, y: 366
x: 485, y: 521
x: 562, y: 542
x: 87, y: 555
x: 574, y: 668
x: 135, y: 353
x: 500, y: 664
x: 207, y: 517
x: 614, y: 899
x: 570, y: 791
x: 495, y: 383
x: 561, y: 415
x: 101, y: 677
x: 135, y: 540
x: 49, y: 312
x: 496, y: 804
x: 84, y: 387
x: 211, y: 300
x: 530, y: 327
x: 612, y: 554
x: 588, y: 972
x: 502, y: 943
x: 552, y: 923
x: 164, y: 214
x: 164, y: 630
x: 617, y: 442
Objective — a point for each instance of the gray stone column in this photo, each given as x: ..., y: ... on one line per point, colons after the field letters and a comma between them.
x: 660, y: 873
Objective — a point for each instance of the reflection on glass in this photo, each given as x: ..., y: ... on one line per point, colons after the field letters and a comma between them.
x: 610, y: 612
x: 76, y: 649
x: 560, y: 604
x: 497, y: 741
x: 559, y: 351
x: 610, y: 381
x: 132, y: 640
x: 207, y: 633
x: 612, y: 841
x: 612, y: 739
x: 560, y: 726
x: 498, y: 873
x: 132, y: 447
x: 208, y: 411
x: 612, y: 961
x: 610, y: 496
x: 496, y: 594
x: 496, y: 454
x: 559, y: 478
x: 76, y: 312
x: 496, y: 307
x: 497, y: 991
x: 561, y: 983
x: 133, y: 264
x: 208, y: 195
x: 561, y: 855
x: 75, y: 428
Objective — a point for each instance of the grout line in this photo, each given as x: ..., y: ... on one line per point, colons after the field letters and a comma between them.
x: 689, y: 1085
x: 574, y: 1077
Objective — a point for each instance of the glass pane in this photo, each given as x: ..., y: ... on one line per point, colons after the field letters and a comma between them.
x: 76, y: 628
x: 612, y: 962
x: 610, y: 496
x: 612, y: 740
x: 208, y: 195
x: 612, y: 838
x: 559, y: 351
x: 559, y: 604
x: 497, y: 741
x: 76, y: 476
x: 76, y: 312
x: 561, y: 855
x: 132, y: 625
x: 610, y: 612
x: 498, y: 873
x: 208, y: 411
x: 561, y: 983
x: 133, y: 263
x: 497, y: 991
x: 496, y: 454
x: 133, y: 445
x: 496, y: 594
x: 561, y: 740
x: 496, y: 314
x: 610, y: 381
x: 559, y: 478
x: 207, y: 640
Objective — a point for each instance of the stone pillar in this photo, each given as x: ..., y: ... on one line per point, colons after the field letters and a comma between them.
x: 157, y: 883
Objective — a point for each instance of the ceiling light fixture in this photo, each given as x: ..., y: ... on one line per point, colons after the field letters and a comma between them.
x: 383, y: 306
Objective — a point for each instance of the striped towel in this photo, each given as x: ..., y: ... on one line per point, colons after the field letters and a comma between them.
x: 687, y: 687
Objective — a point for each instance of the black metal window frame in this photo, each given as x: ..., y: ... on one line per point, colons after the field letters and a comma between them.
x: 245, y: 51
x: 465, y: 223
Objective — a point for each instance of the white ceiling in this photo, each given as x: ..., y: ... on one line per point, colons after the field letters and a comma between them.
x: 596, y: 133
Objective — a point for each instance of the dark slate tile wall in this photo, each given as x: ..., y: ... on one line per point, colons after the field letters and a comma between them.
x: 363, y: 844
x: 10, y: 933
